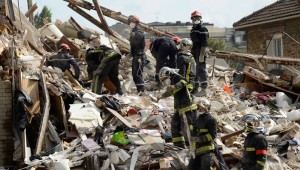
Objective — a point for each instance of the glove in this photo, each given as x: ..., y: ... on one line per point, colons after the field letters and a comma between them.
x: 123, y: 57
x: 202, y: 55
x: 170, y: 89
x: 96, y: 73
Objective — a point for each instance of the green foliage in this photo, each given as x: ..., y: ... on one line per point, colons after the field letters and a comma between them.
x: 217, y: 44
x: 38, y: 18
x: 237, y: 50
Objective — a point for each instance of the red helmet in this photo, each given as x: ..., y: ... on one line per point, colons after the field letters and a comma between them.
x: 134, y: 18
x: 176, y: 39
x: 64, y: 46
x: 196, y: 14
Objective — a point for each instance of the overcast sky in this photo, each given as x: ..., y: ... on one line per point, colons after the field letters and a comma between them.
x: 222, y: 13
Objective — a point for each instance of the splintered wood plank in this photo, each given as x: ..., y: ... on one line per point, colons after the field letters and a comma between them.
x: 45, y: 116
x: 32, y: 89
x: 156, y: 142
x: 121, y: 118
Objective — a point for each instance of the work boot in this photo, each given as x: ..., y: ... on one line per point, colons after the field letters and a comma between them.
x: 196, y: 88
x: 119, y: 92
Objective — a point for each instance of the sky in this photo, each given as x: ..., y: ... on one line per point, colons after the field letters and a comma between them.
x: 221, y: 13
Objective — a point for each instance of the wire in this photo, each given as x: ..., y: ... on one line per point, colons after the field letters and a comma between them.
x: 291, y: 37
x: 268, y: 44
x: 273, y: 36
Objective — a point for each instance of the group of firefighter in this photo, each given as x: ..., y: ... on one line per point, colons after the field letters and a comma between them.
x: 181, y: 68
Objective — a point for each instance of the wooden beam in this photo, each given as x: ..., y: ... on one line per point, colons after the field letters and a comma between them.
x: 117, y: 115
x: 75, y: 24
x: 115, y: 36
x: 223, y: 138
x: 46, y: 110
x: 122, y: 18
x: 100, y: 15
x: 30, y: 11
x: 258, y: 58
x: 86, y: 15
x: 30, y: 15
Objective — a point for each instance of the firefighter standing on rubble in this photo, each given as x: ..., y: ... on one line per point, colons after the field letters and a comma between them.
x: 199, y: 35
x: 255, y: 145
x: 104, y: 61
x: 177, y: 86
x: 164, y: 50
x: 186, y: 62
x: 63, y: 60
x: 204, y: 132
x: 137, y: 48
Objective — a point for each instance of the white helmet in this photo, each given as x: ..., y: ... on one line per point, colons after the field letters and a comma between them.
x: 252, y: 123
x: 165, y: 73
x: 203, y: 103
x: 185, y: 44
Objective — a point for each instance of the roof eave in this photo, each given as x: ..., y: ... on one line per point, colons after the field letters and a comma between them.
x: 241, y: 27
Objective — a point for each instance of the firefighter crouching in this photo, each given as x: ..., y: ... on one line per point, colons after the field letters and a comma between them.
x: 103, y: 62
x: 63, y: 60
x: 204, y: 132
x: 183, y: 103
x: 255, y: 145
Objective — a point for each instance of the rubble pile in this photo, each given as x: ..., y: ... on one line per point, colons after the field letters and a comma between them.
x: 61, y: 124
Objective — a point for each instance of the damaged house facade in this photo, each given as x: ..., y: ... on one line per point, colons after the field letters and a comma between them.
x: 272, y: 30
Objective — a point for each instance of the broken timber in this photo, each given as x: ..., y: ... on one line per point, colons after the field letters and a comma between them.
x: 121, y: 18
x: 115, y: 36
x: 261, y: 60
x: 45, y: 119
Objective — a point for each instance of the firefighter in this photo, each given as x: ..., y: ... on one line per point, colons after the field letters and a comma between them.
x: 199, y: 35
x: 255, y: 145
x: 63, y: 60
x: 137, y: 48
x: 204, y: 132
x: 104, y: 62
x: 186, y: 62
x: 183, y: 103
x: 164, y: 50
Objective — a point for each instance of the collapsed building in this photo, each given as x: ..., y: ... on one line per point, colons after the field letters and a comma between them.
x: 59, y: 123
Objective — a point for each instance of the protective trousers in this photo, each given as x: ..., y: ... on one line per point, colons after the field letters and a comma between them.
x: 201, y: 75
x: 201, y: 162
x: 137, y: 72
x: 177, y: 127
x: 166, y: 56
x: 107, y: 68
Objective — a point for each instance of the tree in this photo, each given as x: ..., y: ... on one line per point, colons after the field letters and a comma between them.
x: 217, y: 44
x: 38, y: 18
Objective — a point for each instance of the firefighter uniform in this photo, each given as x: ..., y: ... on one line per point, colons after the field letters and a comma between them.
x: 164, y: 51
x: 104, y: 62
x: 183, y: 104
x: 187, y: 67
x: 255, y: 152
x: 63, y: 61
x: 137, y: 47
x: 204, y: 132
x: 199, y: 36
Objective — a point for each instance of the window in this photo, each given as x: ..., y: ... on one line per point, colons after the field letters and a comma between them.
x: 275, y: 48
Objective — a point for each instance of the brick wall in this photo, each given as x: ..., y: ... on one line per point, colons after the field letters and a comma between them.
x: 6, y: 135
x: 256, y: 38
